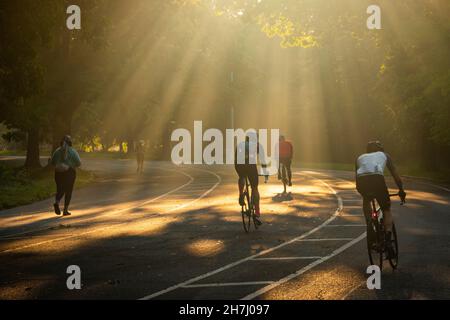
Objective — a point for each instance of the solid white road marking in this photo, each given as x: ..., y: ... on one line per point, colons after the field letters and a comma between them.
x: 236, y: 263
x: 286, y: 258
x: 327, y: 239
x: 118, y: 224
x: 114, y: 212
x: 345, y: 225
x: 206, y: 285
x: 303, y: 270
x: 350, y: 215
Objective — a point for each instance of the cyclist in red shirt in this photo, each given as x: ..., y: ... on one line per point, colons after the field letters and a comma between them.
x: 286, y: 152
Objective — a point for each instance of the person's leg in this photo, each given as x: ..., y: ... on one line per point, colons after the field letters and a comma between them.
x: 388, y: 220
x: 279, y: 170
x: 241, y: 183
x: 142, y: 164
x: 253, y: 178
x: 367, y: 209
x: 59, y: 192
x: 289, y: 171
x: 69, y: 183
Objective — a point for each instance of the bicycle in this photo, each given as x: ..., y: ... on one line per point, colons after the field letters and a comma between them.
x: 375, y: 231
x: 248, y: 208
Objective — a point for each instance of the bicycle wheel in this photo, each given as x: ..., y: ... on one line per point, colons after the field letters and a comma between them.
x: 394, y: 260
x: 374, y: 244
x: 246, y: 212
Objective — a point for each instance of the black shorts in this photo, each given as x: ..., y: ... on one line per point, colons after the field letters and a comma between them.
x: 248, y: 170
x: 374, y: 186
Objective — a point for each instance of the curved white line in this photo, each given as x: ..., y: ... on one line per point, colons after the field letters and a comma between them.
x: 233, y: 264
x: 114, y: 212
x: 115, y: 225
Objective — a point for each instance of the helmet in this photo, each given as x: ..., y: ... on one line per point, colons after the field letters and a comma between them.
x: 374, y: 146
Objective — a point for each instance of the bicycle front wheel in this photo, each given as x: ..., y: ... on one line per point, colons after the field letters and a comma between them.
x: 246, y: 213
x: 394, y: 259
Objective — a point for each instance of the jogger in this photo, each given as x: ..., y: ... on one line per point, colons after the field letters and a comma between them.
x: 66, y: 160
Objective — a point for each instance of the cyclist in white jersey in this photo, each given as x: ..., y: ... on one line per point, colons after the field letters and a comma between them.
x: 371, y: 184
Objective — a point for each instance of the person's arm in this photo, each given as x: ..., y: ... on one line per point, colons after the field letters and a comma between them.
x: 393, y: 171
x: 76, y: 158
x: 55, y: 157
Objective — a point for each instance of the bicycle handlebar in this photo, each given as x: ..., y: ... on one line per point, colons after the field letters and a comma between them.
x: 403, y: 201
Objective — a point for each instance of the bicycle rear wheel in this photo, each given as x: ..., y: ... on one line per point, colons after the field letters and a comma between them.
x: 246, y: 212
x: 394, y: 259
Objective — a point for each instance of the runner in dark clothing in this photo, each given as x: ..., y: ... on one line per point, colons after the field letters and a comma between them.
x: 66, y: 160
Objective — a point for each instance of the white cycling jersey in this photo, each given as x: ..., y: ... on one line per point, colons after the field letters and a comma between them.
x: 371, y: 163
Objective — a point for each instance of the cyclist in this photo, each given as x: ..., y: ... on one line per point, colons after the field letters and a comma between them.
x: 285, y: 152
x: 245, y: 164
x: 370, y: 183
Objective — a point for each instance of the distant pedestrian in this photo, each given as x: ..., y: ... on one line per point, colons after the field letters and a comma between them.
x: 65, y: 159
x: 140, y: 155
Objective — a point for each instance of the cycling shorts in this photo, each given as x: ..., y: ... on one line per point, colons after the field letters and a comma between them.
x: 248, y: 170
x: 374, y: 186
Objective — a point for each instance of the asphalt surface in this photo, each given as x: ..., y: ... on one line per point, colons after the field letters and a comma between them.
x: 176, y: 233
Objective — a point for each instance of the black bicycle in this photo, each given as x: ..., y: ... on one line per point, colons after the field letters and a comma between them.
x: 248, y: 208
x: 376, y: 239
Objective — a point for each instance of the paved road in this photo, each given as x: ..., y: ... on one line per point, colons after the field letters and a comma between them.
x: 176, y: 232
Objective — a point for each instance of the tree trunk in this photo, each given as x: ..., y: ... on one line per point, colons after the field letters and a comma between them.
x: 61, y: 127
x: 32, y: 158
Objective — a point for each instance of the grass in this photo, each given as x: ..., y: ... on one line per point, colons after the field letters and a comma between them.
x: 20, y: 186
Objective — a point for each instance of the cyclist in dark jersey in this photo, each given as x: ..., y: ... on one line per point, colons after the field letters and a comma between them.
x: 245, y: 164
x: 370, y: 183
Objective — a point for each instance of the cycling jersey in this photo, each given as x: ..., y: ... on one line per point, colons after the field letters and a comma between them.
x: 286, y: 150
x: 371, y: 163
x: 370, y: 177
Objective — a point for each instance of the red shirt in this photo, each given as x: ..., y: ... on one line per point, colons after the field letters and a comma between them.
x: 286, y: 150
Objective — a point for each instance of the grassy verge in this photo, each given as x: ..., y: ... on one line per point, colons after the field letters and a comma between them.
x: 19, y: 186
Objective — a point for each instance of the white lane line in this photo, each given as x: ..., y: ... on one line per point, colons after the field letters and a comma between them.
x: 303, y: 270
x: 345, y: 225
x: 351, y: 215
x: 236, y: 263
x: 219, y: 180
x: 326, y: 239
x: 285, y: 258
x: 114, y: 212
x: 118, y: 224
x: 229, y: 284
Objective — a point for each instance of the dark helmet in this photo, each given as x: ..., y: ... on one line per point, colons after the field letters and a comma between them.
x: 67, y: 139
x: 374, y: 146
